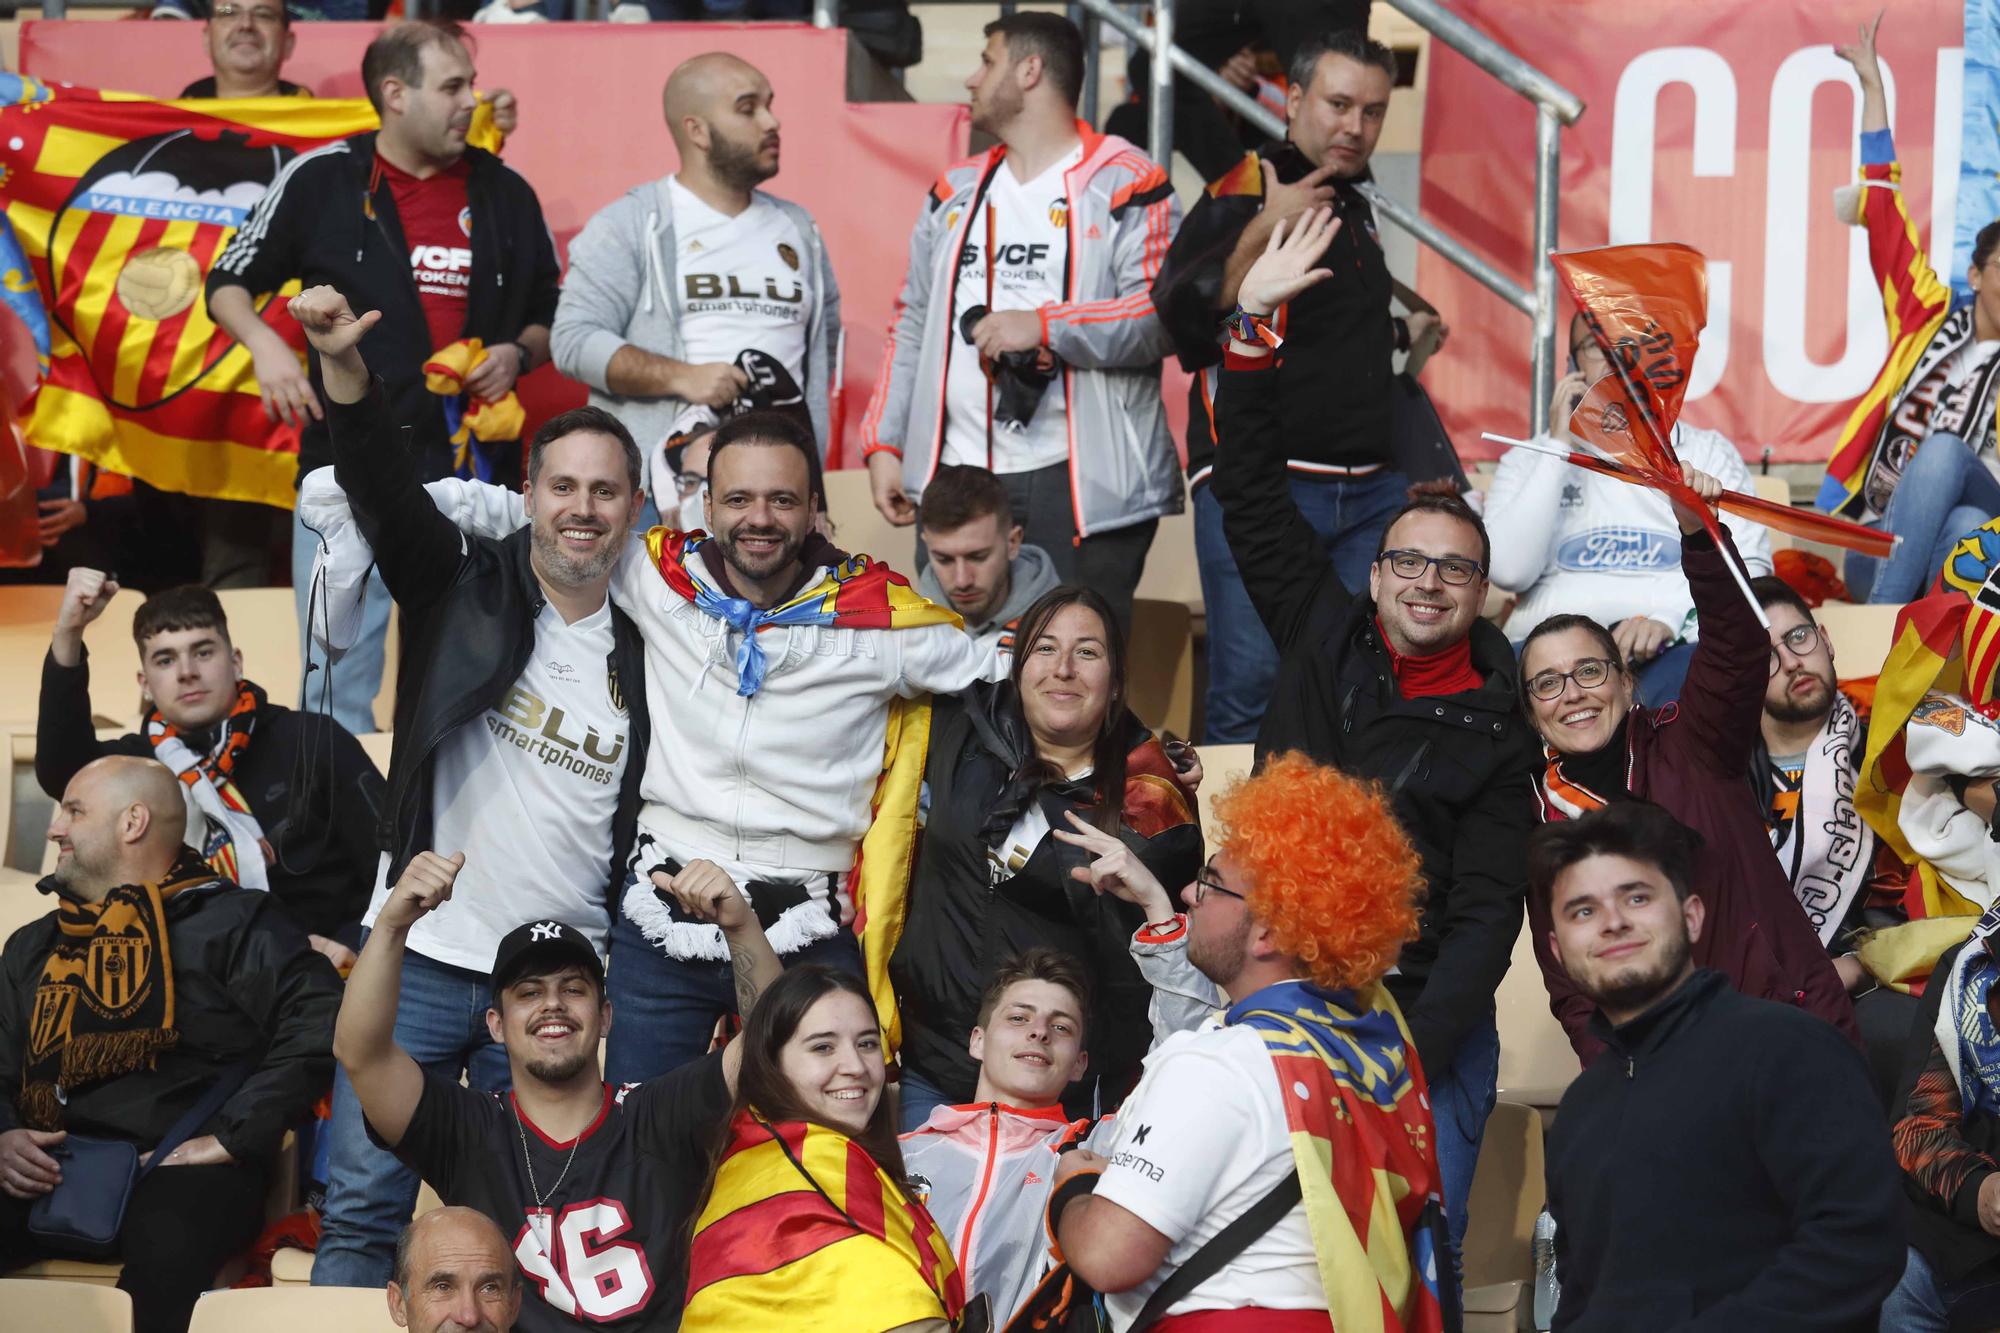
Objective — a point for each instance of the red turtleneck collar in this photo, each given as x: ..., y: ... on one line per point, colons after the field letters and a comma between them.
x: 1447, y: 671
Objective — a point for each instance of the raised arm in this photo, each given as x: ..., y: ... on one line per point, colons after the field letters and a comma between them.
x: 1284, y: 569
x: 706, y: 892
x: 1722, y: 704
x: 387, y: 1081
x: 64, y: 739
x: 417, y: 550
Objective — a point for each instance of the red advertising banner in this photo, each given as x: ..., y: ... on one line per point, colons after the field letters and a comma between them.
x: 1713, y: 123
x: 591, y: 128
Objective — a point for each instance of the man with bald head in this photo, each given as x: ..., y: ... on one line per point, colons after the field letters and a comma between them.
x: 454, y: 1274
x: 698, y: 295
x: 155, y: 989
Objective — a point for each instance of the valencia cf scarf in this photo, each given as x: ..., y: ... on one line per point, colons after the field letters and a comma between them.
x: 234, y: 844
x: 802, y: 1218
x: 104, y: 1005
x: 859, y: 594
x: 1358, y: 1113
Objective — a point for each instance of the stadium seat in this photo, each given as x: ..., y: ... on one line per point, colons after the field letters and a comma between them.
x: 1172, y: 574
x: 20, y: 902
x: 1160, y: 666
x: 860, y: 529
x: 294, y: 1309
x: 1221, y: 765
x: 1536, y: 1060
x: 378, y: 745
x: 1770, y: 487
x: 83, y: 1272
x: 1507, y: 1193
x: 293, y: 1268
x: 1861, y: 635
x: 264, y: 626
x: 72, y: 1307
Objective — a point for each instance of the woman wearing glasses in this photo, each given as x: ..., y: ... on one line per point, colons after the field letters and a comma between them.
x: 1008, y: 763
x: 1689, y: 757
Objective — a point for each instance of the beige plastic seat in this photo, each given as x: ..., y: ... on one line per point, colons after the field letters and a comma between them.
x: 860, y: 529
x: 293, y: 1309
x: 1770, y: 487
x: 378, y: 744
x: 1508, y: 1189
x: 1221, y: 765
x: 293, y: 1268
x: 72, y: 1307
x: 1160, y: 666
x: 1861, y: 635
x: 1172, y: 574
x: 1536, y: 1060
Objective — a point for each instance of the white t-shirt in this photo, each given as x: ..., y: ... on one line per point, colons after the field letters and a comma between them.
x: 1197, y: 1144
x: 741, y: 283
x: 1030, y: 251
x: 528, y: 791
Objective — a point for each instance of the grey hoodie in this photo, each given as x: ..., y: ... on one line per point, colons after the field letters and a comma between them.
x: 1030, y: 574
x: 623, y: 287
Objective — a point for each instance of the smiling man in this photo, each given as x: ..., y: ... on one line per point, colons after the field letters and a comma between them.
x: 521, y: 732
x: 698, y: 294
x: 1404, y: 685
x: 248, y: 42
x: 267, y: 818
x: 1730, y: 1168
x: 596, y: 1184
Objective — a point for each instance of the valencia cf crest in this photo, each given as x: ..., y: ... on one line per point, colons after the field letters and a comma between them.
x: 789, y: 255
x: 1059, y: 214
x: 614, y: 689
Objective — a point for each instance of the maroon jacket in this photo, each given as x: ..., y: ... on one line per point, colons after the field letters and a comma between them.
x: 1689, y: 757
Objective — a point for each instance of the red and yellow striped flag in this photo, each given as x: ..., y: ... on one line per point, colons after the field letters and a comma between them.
x: 804, y: 1229
x: 121, y: 203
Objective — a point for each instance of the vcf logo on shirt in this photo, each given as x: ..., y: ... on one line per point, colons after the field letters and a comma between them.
x: 1613, y: 550
x: 442, y: 268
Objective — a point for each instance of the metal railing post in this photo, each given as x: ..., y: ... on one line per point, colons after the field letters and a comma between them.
x: 1086, y: 23
x: 1492, y: 57
x: 55, y: 9
x: 1160, y: 112
x: 1548, y: 193
x: 826, y: 13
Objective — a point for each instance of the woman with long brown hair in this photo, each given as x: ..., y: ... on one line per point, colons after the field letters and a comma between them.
x: 1009, y: 763
x: 807, y: 1223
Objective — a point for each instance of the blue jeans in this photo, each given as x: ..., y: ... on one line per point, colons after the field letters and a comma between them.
x: 441, y: 1023
x: 1349, y: 515
x: 359, y: 675
x: 1923, y: 1304
x: 1945, y: 492
x: 917, y: 1098
x: 663, y: 1010
x: 1461, y: 1099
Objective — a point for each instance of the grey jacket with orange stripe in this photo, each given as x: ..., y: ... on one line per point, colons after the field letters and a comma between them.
x: 1122, y: 217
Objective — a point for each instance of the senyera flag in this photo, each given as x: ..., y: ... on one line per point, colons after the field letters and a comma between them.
x: 120, y: 204
x: 1646, y: 306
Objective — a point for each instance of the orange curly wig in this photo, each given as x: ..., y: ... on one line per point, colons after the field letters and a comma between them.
x: 1333, y: 874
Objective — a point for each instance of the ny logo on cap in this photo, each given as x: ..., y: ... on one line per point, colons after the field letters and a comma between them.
x: 545, y: 930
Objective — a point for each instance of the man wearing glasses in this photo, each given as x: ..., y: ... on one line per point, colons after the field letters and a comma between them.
x: 1404, y: 685
x: 1847, y: 879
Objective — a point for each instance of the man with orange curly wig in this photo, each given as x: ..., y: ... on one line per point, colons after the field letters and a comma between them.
x: 1276, y: 1169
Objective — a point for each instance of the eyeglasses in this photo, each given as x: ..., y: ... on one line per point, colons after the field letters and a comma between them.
x: 1411, y: 565
x: 1799, y: 639
x: 688, y: 483
x: 263, y: 15
x: 1589, y: 673
x: 1203, y: 886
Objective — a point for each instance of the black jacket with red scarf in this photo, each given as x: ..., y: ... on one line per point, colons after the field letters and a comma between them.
x: 330, y: 218
x: 964, y: 924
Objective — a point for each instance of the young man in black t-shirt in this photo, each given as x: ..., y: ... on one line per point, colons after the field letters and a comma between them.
x: 593, y: 1186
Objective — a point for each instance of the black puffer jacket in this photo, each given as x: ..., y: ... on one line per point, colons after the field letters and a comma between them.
x: 962, y: 925
x: 330, y: 218
x: 247, y: 987
x: 469, y: 606
x: 1457, y: 766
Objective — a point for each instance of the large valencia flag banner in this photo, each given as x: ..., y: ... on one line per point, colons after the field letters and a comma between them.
x: 120, y: 203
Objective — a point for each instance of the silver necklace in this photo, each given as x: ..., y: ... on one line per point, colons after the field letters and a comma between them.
x: 541, y: 1199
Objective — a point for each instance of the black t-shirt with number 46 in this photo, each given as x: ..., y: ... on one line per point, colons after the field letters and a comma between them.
x: 609, y: 1247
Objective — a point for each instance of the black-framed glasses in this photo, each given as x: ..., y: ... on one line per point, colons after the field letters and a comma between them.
x: 1455, y: 570
x: 688, y: 483
x: 264, y: 14
x: 1203, y: 886
x: 1799, y: 639
x: 1588, y: 673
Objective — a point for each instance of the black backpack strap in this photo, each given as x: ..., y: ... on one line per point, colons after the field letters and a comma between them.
x: 1225, y: 1245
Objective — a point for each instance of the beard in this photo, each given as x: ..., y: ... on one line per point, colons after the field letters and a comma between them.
x: 559, y: 1070
x: 994, y: 114
x: 1220, y: 960
x: 1636, y: 989
x: 567, y: 570
x: 737, y: 164
x: 761, y: 568
x: 1812, y: 707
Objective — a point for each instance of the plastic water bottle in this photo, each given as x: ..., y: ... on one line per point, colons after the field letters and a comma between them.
x: 1547, y: 1288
